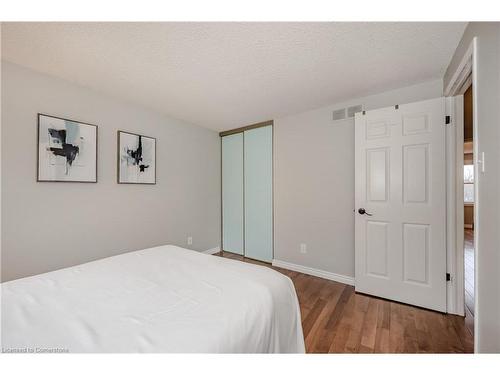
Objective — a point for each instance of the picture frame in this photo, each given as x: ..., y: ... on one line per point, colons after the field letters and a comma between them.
x: 136, y: 158
x: 66, y: 150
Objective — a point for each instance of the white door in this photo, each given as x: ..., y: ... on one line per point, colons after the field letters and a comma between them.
x: 401, y: 203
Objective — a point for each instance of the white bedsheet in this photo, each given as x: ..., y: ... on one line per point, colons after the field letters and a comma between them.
x: 163, y: 299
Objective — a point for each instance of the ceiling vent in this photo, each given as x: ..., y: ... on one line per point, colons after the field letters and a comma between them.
x: 339, y: 114
x: 345, y: 113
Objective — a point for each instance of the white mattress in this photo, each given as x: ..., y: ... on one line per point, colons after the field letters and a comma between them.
x: 163, y: 299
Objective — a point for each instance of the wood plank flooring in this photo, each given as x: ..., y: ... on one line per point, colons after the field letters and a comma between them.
x: 469, y: 278
x: 335, y: 319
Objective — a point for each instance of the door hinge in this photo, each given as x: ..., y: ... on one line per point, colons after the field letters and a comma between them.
x: 447, y: 120
x: 448, y: 276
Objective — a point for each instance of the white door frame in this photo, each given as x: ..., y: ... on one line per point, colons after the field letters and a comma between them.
x: 464, y: 75
x: 455, y: 206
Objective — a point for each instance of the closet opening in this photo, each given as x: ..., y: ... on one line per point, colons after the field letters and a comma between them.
x: 247, y: 191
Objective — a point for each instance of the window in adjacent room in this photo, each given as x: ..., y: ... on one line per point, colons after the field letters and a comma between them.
x: 469, y: 183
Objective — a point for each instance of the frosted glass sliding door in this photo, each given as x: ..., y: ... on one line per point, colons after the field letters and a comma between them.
x: 232, y: 193
x: 258, y: 193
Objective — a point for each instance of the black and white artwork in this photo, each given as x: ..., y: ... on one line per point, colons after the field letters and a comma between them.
x: 67, y: 150
x: 136, y: 159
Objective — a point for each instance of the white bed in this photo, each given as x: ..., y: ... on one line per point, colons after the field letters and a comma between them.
x: 163, y: 299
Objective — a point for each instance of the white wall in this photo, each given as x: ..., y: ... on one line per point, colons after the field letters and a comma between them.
x: 487, y: 95
x: 46, y: 226
x: 314, y: 181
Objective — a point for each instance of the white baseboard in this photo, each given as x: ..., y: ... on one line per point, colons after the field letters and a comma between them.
x: 314, y: 272
x: 213, y: 250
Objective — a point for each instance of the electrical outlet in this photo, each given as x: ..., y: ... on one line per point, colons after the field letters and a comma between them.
x: 303, y: 248
x: 190, y: 240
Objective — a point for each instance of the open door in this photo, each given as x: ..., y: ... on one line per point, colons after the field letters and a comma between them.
x: 400, y: 202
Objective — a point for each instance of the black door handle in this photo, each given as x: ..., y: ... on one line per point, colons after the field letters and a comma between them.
x: 362, y: 211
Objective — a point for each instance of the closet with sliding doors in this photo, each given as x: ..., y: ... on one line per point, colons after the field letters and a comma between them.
x: 247, y: 191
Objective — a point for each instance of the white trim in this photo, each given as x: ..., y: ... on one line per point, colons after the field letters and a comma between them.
x: 1, y: 145
x: 477, y: 182
x: 469, y: 226
x: 314, y: 272
x: 462, y: 73
x: 213, y: 250
x: 458, y: 280
x: 466, y: 84
x: 455, y: 208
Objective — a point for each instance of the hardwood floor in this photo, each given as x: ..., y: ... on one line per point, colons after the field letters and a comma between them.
x: 335, y: 319
x: 469, y: 278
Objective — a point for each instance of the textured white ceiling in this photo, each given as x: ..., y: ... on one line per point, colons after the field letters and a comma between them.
x: 226, y: 75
